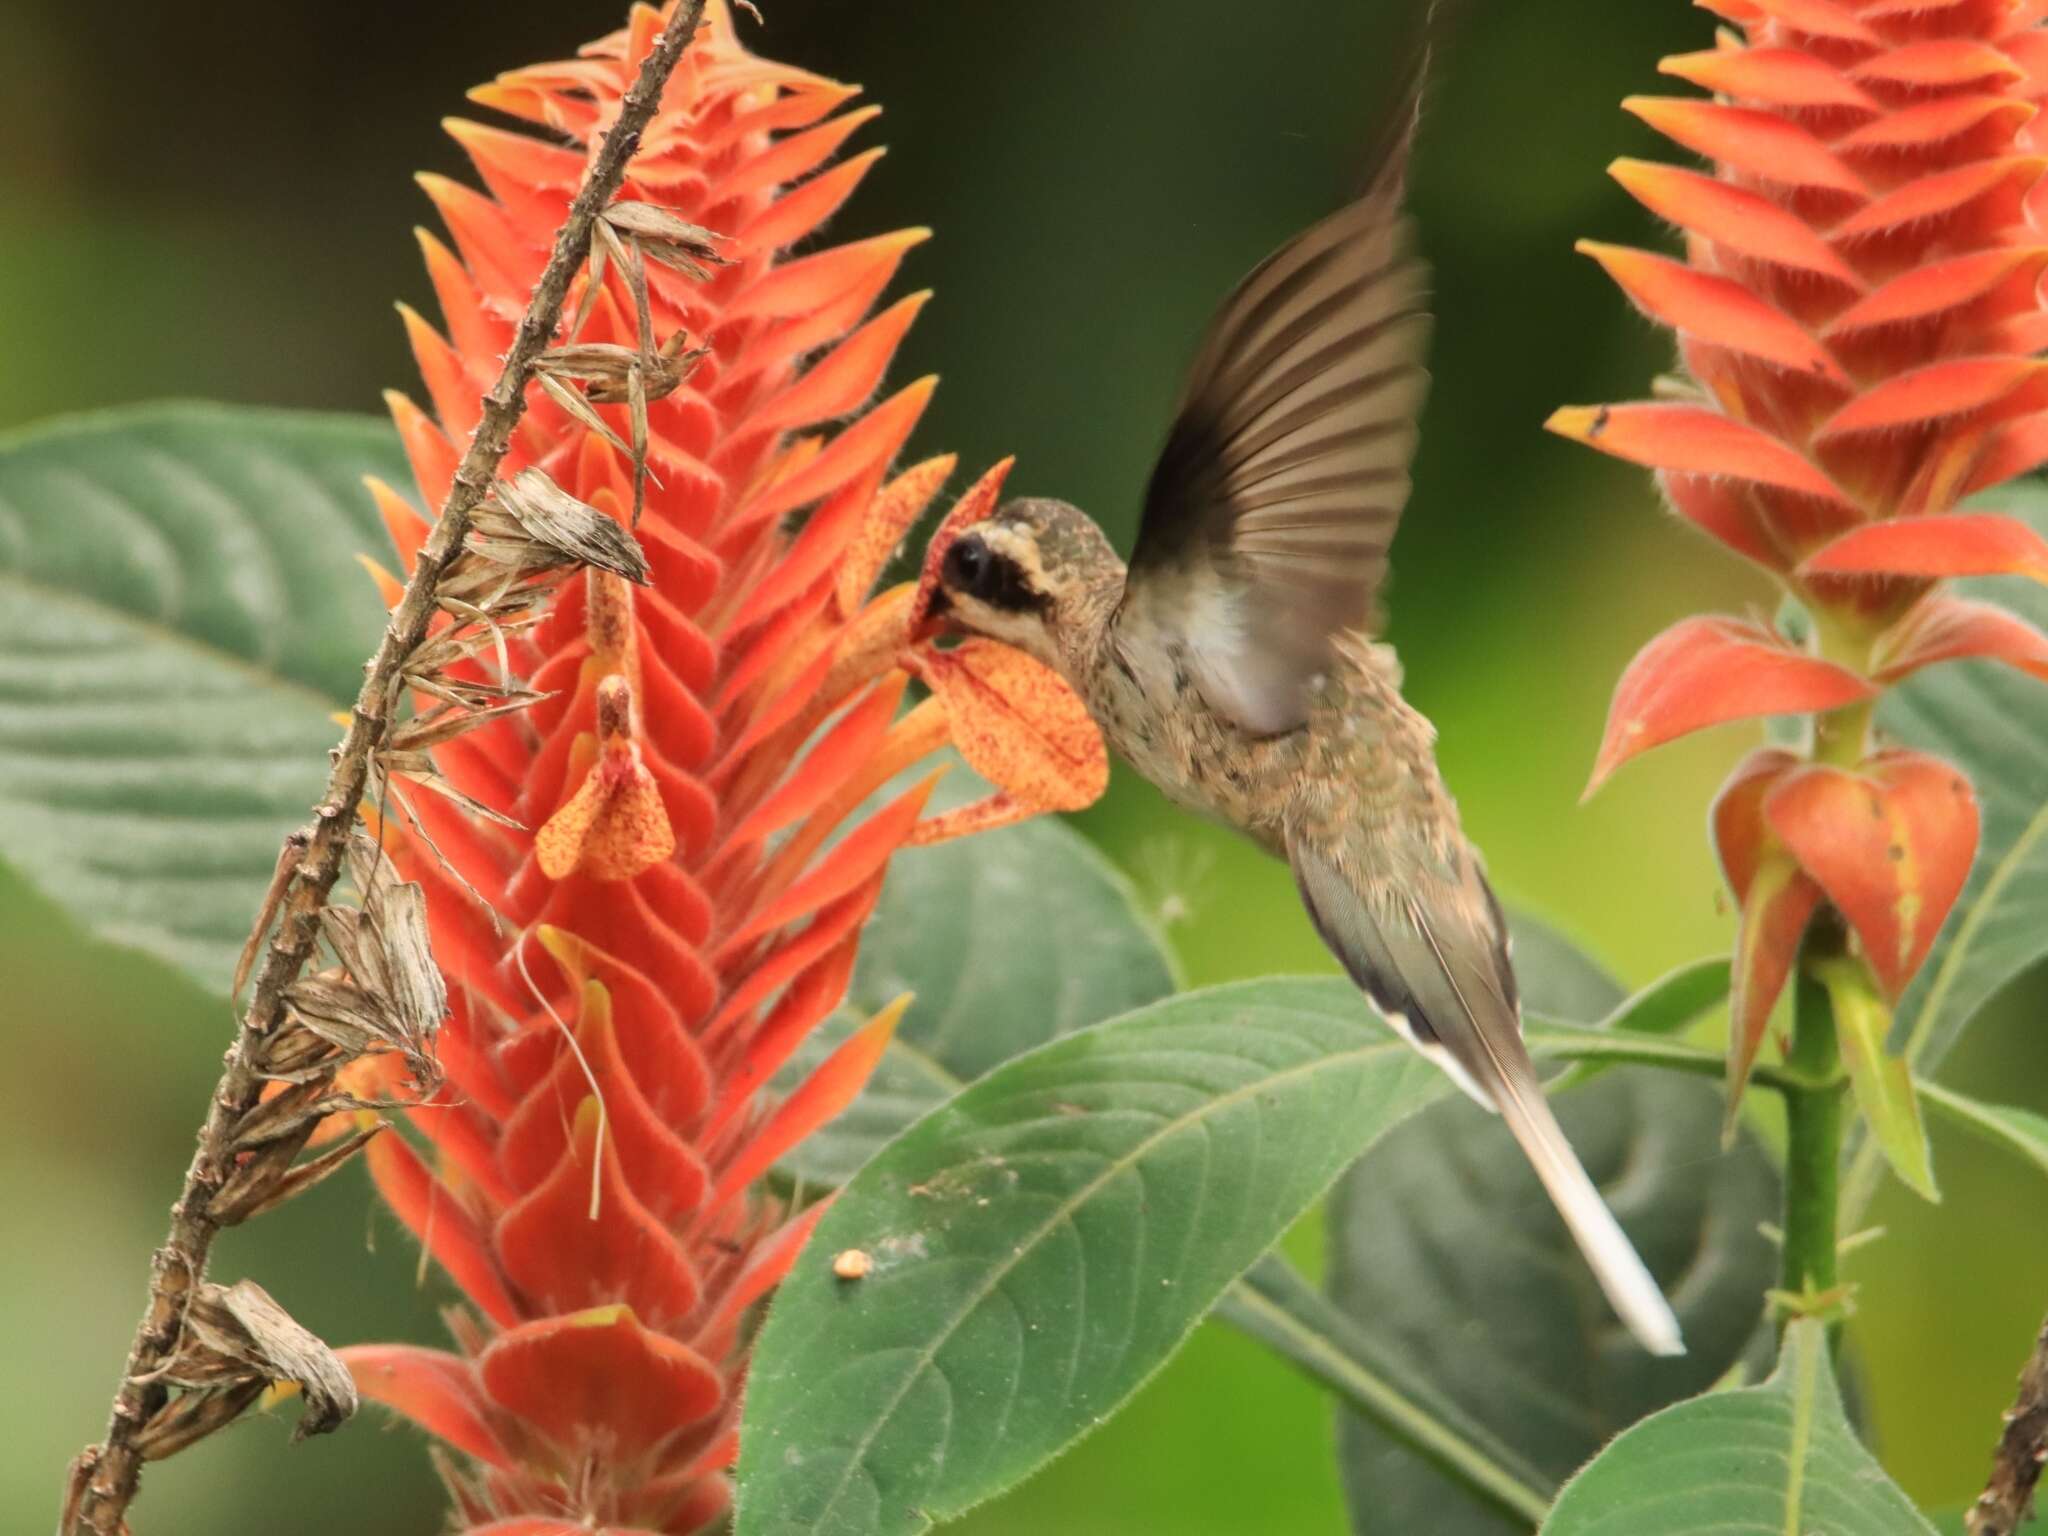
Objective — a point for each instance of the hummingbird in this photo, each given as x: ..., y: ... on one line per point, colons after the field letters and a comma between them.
x: 1234, y: 662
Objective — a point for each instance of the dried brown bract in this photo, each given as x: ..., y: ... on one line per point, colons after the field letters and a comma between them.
x: 236, y: 1344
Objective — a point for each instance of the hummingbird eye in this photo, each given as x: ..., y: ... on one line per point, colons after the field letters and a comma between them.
x: 989, y: 576
x: 969, y: 566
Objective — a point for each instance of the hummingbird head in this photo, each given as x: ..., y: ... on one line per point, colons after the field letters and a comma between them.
x: 1038, y: 575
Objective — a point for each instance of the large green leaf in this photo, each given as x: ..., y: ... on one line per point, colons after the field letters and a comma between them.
x: 1779, y: 1457
x: 181, y: 612
x: 2017, y: 1130
x: 1992, y: 721
x: 1445, y: 1253
x: 1043, y: 1243
x: 1008, y: 940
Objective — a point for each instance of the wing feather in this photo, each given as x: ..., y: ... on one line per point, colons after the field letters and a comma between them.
x: 1270, y: 511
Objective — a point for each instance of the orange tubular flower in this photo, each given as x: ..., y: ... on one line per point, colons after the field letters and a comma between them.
x: 627, y: 976
x: 1859, y: 312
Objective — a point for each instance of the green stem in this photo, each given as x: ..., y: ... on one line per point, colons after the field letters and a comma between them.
x: 1277, y: 1307
x: 1813, y: 1135
x: 1584, y: 1042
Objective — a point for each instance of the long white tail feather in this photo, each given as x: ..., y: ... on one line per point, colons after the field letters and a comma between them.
x: 1635, y: 1296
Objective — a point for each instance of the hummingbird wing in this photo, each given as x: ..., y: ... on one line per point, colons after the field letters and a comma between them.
x: 1443, y: 979
x: 1269, y: 513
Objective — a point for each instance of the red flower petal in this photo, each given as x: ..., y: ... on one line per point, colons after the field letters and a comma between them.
x: 1816, y: 18
x: 1760, y: 144
x: 1941, y: 389
x: 1781, y: 901
x: 1743, y: 221
x: 1741, y: 836
x: 442, y: 1224
x: 1938, y: 286
x: 1724, y: 510
x: 1891, y: 845
x: 1714, y: 309
x: 436, y: 1390
x: 1954, y: 544
x: 1778, y: 77
x: 835, y: 1084
x: 572, y: 1243
x: 1691, y: 439
x: 1707, y: 671
x: 597, y: 1379
x: 1942, y: 627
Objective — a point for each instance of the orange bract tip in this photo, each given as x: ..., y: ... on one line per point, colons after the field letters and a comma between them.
x: 1744, y: 221
x: 1708, y: 671
x: 1757, y: 143
x: 1691, y: 439
x: 1778, y: 77
x: 390, y: 590
x: 1928, y: 394
x: 1715, y: 309
x: 976, y: 504
x: 890, y: 516
x: 1956, y: 544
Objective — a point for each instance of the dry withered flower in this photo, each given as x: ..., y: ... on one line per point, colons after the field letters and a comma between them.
x: 236, y: 1344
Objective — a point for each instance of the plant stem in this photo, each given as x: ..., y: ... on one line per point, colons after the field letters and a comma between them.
x: 104, y: 1478
x: 1813, y: 1150
x: 1277, y: 1307
x: 2008, y: 1498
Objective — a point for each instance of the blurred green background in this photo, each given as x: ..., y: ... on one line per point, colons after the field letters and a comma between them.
x: 215, y: 201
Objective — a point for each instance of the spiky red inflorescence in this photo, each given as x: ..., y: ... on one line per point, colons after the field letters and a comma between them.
x: 1859, y: 312
x: 628, y: 976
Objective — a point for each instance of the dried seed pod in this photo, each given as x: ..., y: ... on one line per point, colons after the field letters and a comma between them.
x: 268, y: 1180
x: 664, y: 236
x: 531, y: 524
x: 235, y: 1343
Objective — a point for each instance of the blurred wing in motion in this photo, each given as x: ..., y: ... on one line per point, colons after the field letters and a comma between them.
x: 1269, y: 513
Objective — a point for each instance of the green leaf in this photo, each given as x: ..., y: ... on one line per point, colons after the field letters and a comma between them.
x: 181, y: 612
x: 1666, y: 1006
x: 1882, y: 1082
x: 1008, y: 940
x: 1045, y: 1242
x: 1992, y: 721
x: 1779, y: 1457
x: 1283, y: 1311
x: 1558, y: 978
x: 2018, y: 1130
x: 1445, y: 1254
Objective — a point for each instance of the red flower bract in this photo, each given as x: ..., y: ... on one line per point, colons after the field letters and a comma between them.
x: 1858, y: 314
x: 628, y: 975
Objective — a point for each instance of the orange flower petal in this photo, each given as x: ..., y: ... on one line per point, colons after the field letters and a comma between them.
x: 1947, y: 388
x: 1943, y: 627
x: 1691, y: 439
x: 1743, y: 221
x: 1019, y: 724
x: 1714, y: 309
x: 1760, y: 144
x: 890, y: 516
x: 1891, y: 845
x: 1708, y: 671
x: 1952, y: 544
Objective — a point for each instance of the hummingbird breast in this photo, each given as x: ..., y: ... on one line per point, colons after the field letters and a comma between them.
x: 1359, y: 772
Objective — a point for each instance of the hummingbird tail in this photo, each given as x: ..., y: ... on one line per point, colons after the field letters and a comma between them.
x: 1444, y: 981
x: 1629, y: 1287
